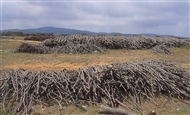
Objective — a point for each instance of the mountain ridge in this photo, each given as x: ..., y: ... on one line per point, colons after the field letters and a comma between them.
x: 56, y: 31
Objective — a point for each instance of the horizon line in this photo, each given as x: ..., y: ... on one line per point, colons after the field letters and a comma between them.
x: 98, y: 32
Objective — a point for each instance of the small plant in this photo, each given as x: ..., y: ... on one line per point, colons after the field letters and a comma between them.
x: 37, y: 113
x: 54, y: 54
x: 2, y: 112
x: 86, y: 63
x: 185, y: 47
x: 51, y: 102
x: 49, y: 113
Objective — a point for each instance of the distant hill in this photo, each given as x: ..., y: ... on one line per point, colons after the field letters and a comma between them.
x: 56, y: 31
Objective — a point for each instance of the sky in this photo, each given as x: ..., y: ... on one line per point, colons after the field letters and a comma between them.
x: 164, y: 17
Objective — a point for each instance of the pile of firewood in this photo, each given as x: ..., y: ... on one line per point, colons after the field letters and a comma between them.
x: 161, y: 49
x: 110, y: 85
x: 39, y: 36
x: 117, y: 41
x: 78, y: 48
x: 31, y: 48
x: 70, y: 48
x: 71, y: 43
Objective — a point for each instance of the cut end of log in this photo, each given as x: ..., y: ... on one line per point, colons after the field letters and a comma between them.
x: 153, y: 112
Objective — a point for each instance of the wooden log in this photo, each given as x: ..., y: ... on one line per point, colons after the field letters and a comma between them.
x: 110, y: 110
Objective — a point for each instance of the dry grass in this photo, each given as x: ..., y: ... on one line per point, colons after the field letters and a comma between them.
x: 13, y: 37
x: 173, y: 107
x: 73, y: 61
x: 10, y: 60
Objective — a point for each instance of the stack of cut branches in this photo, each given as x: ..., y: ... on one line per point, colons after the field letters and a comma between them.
x: 109, y: 84
x: 39, y: 36
x: 78, y: 48
x: 161, y: 49
x: 117, y: 42
x: 31, y: 48
x: 69, y: 43
x: 66, y: 40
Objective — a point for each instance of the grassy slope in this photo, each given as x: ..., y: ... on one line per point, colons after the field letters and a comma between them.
x: 10, y: 60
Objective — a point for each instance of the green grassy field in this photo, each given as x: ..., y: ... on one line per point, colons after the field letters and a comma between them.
x: 10, y: 60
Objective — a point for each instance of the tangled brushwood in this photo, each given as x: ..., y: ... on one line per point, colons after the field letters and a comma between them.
x: 31, y: 48
x: 161, y: 49
x: 99, y: 43
x: 110, y: 84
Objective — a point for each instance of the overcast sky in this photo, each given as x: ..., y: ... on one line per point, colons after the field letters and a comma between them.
x: 169, y: 17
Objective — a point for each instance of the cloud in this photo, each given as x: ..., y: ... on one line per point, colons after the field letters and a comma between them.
x: 108, y: 16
